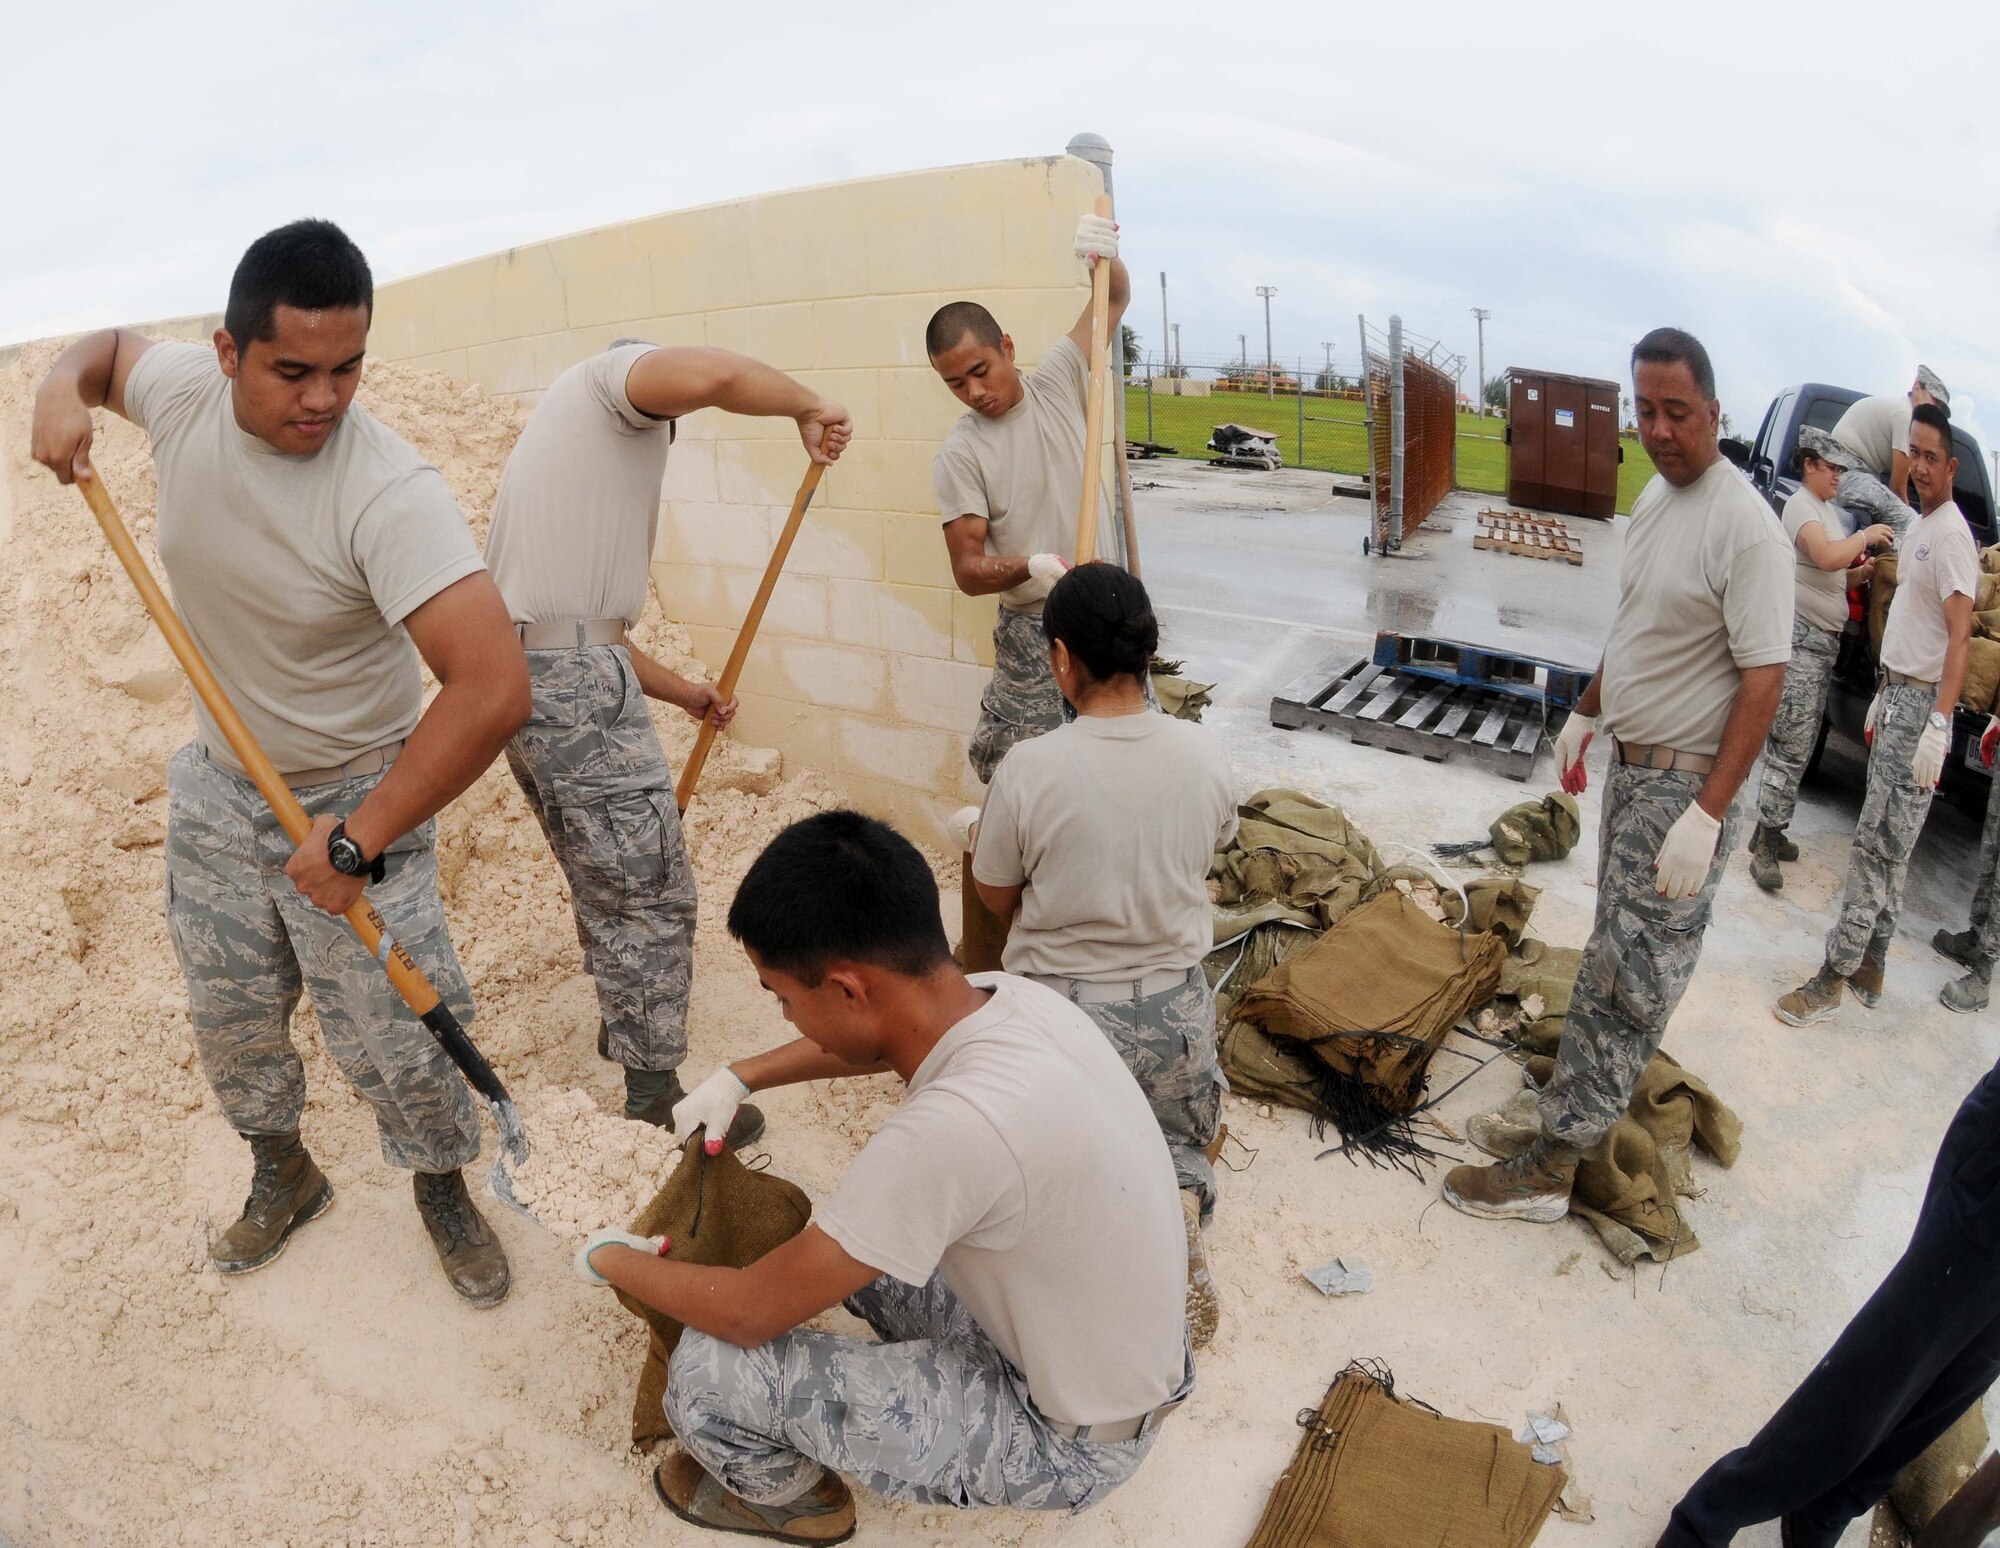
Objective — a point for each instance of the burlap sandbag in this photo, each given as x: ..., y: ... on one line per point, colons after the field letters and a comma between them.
x: 1537, y: 830
x: 1987, y: 597
x: 1535, y: 968
x: 1880, y: 590
x: 1989, y: 559
x: 1501, y: 905
x: 1377, y: 1471
x: 1297, y: 850
x: 1264, y: 1072
x: 713, y: 1210
x: 1986, y: 626
x: 1923, y: 1488
x: 1982, y: 675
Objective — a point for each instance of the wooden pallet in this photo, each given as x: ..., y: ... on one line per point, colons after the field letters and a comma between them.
x: 1378, y: 706
x: 1532, y: 537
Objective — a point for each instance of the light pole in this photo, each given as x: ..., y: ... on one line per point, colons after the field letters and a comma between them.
x: 1270, y: 386
x: 1326, y: 384
x: 1243, y: 348
x: 1481, y: 314
x: 1163, y: 311
x: 1177, y: 346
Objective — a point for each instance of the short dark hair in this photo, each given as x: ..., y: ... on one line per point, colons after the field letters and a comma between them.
x: 1939, y: 419
x: 1676, y: 346
x: 951, y: 322
x: 840, y: 887
x: 310, y: 264
x: 1104, y: 617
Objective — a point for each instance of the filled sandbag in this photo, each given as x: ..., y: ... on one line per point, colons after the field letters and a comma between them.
x: 1982, y: 675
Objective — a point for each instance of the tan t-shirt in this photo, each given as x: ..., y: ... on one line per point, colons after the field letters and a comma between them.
x: 579, y: 502
x: 294, y: 574
x: 1705, y: 590
x: 1111, y: 823
x: 1820, y: 595
x: 1874, y: 429
x: 1023, y: 472
x: 1025, y: 1167
x: 1937, y: 558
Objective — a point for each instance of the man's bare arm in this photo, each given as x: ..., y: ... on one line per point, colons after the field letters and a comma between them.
x: 669, y: 687
x: 1000, y: 901
x: 668, y: 383
x: 1958, y: 620
x: 789, y: 1285
x: 90, y: 374
x: 793, y: 1063
x: 978, y: 573
x: 1757, y: 696
x: 1121, y: 296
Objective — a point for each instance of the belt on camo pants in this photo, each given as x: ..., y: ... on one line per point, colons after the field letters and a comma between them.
x: 1081, y: 993
x: 571, y: 633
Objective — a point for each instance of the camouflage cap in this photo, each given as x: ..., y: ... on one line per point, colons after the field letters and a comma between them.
x: 1933, y: 384
x: 1823, y: 446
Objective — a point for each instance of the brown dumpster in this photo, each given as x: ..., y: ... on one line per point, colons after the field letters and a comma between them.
x: 1562, y: 443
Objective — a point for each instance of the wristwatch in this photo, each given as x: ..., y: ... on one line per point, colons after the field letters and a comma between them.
x: 1939, y: 722
x: 345, y: 856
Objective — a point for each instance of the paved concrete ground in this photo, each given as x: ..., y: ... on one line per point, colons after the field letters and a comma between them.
x: 1257, y: 577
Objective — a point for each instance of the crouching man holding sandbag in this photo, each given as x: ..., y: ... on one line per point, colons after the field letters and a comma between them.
x: 1012, y: 1234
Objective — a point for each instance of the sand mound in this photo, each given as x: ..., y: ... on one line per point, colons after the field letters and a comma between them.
x: 342, y: 1396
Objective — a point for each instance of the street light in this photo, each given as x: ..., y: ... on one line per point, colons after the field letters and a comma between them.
x: 1268, y: 291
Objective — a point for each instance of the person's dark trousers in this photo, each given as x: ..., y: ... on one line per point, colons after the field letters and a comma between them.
x: 1921, y: 1352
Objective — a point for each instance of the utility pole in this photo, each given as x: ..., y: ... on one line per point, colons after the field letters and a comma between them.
x: 1270, y: 385
x: 1481, y: 314
x: 1163, y: 311
x: 1327, y: 383
x: 1243, y: 346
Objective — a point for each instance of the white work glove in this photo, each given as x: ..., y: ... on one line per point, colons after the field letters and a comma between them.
x: 1096, y: 238
x: 652, y: 1246
x: 1687, y: 853
x: 1927, y: 762
x: 1044, y: 570
x: 1571, y: 743
x: 711, y: 1106
x: 1989, y: 744
x: 1868, y: 721
x: 964, y: 828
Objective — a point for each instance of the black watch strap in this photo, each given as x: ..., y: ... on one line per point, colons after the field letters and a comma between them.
x: 374, y: 869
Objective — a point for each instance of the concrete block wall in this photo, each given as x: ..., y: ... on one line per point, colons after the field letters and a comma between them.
x: 869, y: 664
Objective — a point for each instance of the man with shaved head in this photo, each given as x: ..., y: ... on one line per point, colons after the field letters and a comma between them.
x: 1008, y: 479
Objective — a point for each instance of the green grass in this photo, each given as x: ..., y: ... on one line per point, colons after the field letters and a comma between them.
x: 1334, y: 438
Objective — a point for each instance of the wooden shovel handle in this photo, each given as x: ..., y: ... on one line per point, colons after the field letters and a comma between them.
x: 733, y: 668
x: 403, y: 971
x: 1093, y: 418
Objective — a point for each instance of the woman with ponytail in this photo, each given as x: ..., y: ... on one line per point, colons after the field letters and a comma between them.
x: 1100, y: 834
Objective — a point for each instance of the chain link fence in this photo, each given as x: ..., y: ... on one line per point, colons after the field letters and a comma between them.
x: 1316, y: 414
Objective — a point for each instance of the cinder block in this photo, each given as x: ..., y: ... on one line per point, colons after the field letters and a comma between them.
x: 912, y: 620
x: 859, y: 392
x: 972, y: 623
x: 884, y: 476
x: 780, y: 336
x: 1037, y: 233
x: 667, y: 332
x: 720, y: 599
x: 690, y: 477
x: 835, y: 676
x: 927, y: 692
x: 808, y: 736
x: 695, y: 533
x: 843, y: 544
x: 607, y: 277
x: 508, y: 366
x: 699, y: 259
x: 918, y: 815
x: 898, y: 755
x: 916, y: 406
x: 527, y: 293
x: 401, y: 327
x: 762, y: 472
x: 462, y: 305
x: 450, y: 361
x: 913, y: 551
x: 1036, y: 317
x: 555, y: 353
x: 856, y: 331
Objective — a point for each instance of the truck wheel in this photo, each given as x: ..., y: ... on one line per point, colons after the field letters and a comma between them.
x: 1819, y: 747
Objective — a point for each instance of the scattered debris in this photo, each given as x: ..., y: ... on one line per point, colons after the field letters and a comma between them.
x: 1239, y: 446
x: 1532, y: 537
x: 1340, y: 1277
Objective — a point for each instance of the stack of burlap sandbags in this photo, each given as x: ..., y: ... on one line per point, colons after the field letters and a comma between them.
x: 1982, y: 666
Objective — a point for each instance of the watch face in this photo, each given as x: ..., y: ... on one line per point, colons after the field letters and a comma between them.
x: 344, y: 855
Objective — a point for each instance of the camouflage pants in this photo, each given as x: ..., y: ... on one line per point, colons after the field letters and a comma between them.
x: 249, y: 944
x: 1863, y: 500
x: 1795, y: 728
x: 1021, y: 700
x: 1642, y: 951
x: 1892, y: 815
x: 934, y: 1414
x: 1985, y: 917
x: 1167, y: 1041
x: 590, y: 764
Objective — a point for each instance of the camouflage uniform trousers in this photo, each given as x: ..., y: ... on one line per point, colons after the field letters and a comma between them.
x: 1167, y: 1041
x: 1985, y: 917
x: 933, y: 1415
x: 1795, y: 728
x: 1642, y: 951
x: 1892, y: 815
x: 248, y: 945
x: 1021, y: 699
x: 591, y: 766
x: 1864, y: 499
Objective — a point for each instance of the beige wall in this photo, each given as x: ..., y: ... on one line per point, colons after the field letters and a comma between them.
x: 869, y: 663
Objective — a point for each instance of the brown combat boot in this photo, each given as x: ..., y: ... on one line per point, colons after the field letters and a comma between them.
x: 1533, y: 1186
x: 1814, y: 1000
x: 1764, y: 857
x: 1204, y: 1310
x: 823, y: 1514
x: 1782, y: 846
x: 1960, y: 946
x: 473, y: 1258
x: 286, y: 1190
x: 650, y: 1097
x: 1866, y: 980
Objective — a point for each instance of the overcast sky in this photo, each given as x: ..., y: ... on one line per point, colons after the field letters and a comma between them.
x: 1816, y: 198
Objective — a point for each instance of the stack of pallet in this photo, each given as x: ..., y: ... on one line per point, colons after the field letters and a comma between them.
x: 1532, y: 537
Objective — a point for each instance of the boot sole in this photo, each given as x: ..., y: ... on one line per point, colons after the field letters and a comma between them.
x: 484, y: 1300
x: 1533, y: 1214
x: 319, y: 1205
x: 1963, y: 1010
x: 1867, y: 999
x: 1794, y: 1019
x: 768, y: 1533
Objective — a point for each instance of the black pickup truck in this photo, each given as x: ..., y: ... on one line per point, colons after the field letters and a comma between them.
x: 1771, y: 463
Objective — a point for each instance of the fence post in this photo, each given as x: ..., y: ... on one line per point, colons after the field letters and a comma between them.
x: 1397, y: 427
x: 1149, y: 402
x: 1368, y: 428
x: 1302, y: 419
